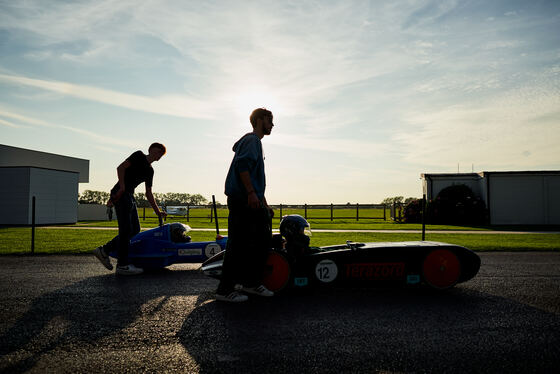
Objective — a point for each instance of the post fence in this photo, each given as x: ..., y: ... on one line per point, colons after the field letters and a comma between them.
x: 354, y: 211
x: 423, y: 217
x: 33, y: 225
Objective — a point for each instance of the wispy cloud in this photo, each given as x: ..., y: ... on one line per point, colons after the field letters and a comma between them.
x: 518, y: 128
x: 8, y: 124
x: 85, y: 133
x: 169, y: 105
x: 349, y: 146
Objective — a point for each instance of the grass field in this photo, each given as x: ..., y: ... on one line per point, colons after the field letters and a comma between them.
x: 76, y: 241
x: 318, y: 218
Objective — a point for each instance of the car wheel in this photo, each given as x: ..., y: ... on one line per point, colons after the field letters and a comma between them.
x: 441, y: 269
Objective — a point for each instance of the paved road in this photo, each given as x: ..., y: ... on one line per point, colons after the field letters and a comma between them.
x: 67, y: 314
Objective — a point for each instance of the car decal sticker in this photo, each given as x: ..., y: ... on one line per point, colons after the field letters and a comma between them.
x: 189, y: 251
x: 375, y: 270
x: 413, y: 279
x: 326, y: 271
x: 212, y: 249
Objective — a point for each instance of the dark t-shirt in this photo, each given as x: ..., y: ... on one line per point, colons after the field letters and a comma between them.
x: 139, y: 171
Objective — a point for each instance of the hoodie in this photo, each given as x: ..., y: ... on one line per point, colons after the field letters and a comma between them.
x: 248, y: 157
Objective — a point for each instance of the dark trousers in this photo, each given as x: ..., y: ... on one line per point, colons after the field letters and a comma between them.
x: 249, y: 241
x: 129, y: 225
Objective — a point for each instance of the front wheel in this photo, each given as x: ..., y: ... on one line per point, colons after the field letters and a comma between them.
x: 441, y: 269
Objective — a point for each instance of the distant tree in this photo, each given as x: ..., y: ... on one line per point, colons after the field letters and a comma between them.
x: 141, y: 200
x: 93, y: 197
x: 159, y: 197
x: 397, y: 200
x: 173, y: 198
x: 413, y: 211
x: 198, y: 199
x: 169, y: 199
x: 391, y: 200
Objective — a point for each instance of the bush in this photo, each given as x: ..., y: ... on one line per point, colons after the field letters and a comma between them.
x: 457, y: 204
x: 413, y: 211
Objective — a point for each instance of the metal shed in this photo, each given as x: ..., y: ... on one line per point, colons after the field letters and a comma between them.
x: 52, y: 179
x: 511, y: 197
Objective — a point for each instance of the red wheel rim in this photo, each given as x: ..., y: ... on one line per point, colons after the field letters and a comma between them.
x: 277, y: 273
x: 441, y: 269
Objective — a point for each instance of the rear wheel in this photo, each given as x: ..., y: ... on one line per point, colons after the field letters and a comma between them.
x: 441, y: 269
x: 277, y: 272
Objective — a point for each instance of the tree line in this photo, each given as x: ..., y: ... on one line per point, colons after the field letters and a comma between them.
x: 166, y: 199
x: 398, y: 200
x: 176, y: 198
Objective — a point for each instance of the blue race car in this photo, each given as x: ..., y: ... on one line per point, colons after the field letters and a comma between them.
x: 169, y: 244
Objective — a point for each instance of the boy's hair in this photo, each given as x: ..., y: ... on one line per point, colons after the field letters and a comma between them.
x: 259, y: 113
x: 157, y: 145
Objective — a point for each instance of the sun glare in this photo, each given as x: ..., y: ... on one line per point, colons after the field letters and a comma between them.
x: 248, y: 100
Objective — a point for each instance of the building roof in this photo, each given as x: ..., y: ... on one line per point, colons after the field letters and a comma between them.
x: 485, y: 174
x: 20, y: 157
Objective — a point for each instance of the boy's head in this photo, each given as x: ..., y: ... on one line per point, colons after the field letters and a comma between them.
x: 259, y: 113
x: 157, y: 149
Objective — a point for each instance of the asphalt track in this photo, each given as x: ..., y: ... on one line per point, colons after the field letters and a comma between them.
x: 68, y: 314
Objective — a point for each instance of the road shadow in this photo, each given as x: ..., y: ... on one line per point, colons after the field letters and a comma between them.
x: 88, y: 311
x: 372, y: 330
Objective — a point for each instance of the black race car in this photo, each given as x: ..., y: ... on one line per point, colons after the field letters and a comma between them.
x: 293, y: 263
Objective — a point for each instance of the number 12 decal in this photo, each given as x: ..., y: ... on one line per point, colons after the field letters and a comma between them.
x: 326, y: 271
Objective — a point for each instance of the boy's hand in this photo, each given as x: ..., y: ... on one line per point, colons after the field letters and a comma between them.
x: 253, y: 200
x: 117, y: 195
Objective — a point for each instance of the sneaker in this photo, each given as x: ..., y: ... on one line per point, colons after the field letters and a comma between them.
x: 260, y: 290
x: 129, y: 270
x: 103, y: 258
x: 232, y: 297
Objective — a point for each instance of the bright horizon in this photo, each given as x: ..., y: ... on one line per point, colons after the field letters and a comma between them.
x: 366, y: 96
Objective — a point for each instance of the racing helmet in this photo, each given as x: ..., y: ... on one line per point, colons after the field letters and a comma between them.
x: 294, y: 225
x: 296, y: 230
x: 179, y: 232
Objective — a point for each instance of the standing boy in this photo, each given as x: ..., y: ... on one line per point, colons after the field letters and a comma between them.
x: 249, y: 231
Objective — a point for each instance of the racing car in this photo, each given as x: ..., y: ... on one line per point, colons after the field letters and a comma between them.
x: 292, y: 263
x: 169, y: 244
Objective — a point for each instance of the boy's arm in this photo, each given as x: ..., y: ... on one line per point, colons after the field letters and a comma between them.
x: 252, y: 198
x: 120, y: 174
x: 152, y: 201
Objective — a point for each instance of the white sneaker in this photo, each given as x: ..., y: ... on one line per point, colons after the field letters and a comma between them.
x: 129, y: 270
x: 103, y: 258
x: 232, y: 297
x: 260, y: 290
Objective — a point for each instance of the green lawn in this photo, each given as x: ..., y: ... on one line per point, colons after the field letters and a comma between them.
x: 202, y: 220
x: 74, y: 241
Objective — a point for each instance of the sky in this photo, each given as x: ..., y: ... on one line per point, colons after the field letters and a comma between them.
x: 366, y: 95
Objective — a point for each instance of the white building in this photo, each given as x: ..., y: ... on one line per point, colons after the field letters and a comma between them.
x: 52, y: 179
x: 511, y: 197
